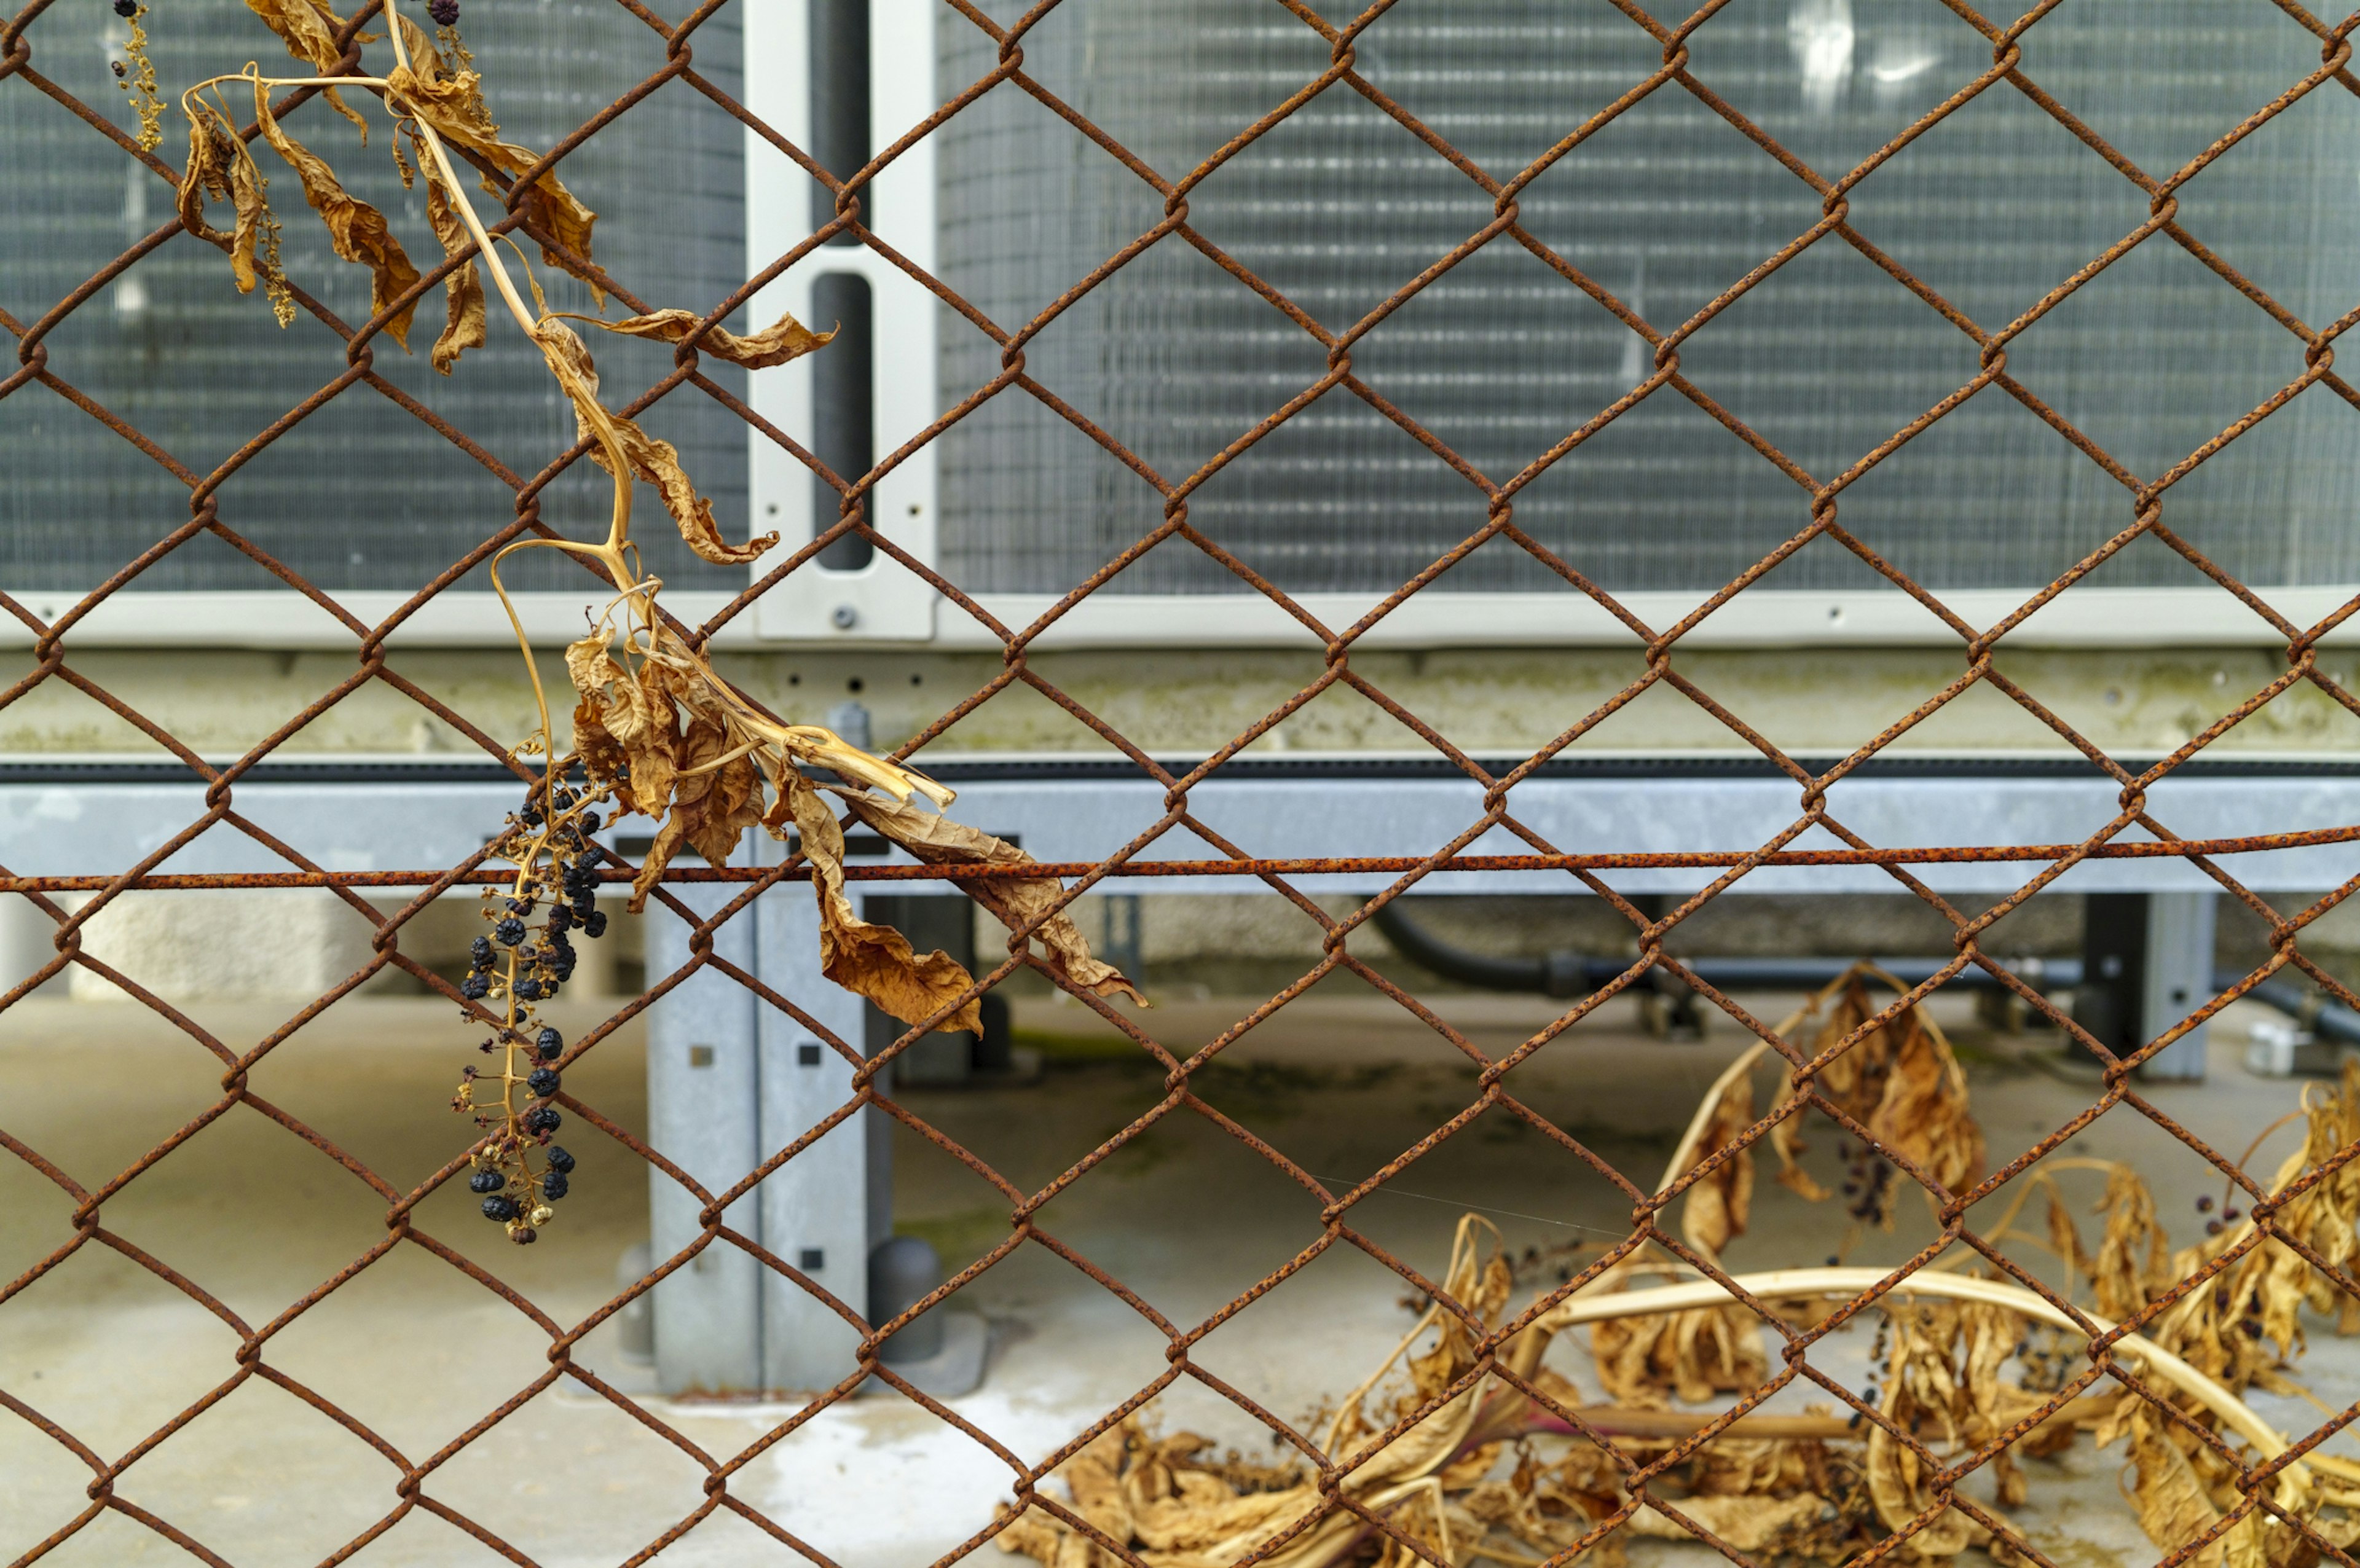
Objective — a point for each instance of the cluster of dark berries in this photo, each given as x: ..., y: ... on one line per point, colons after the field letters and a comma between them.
x: 2229, y: 1216
x: 517, y: 965
x: 516, y: 1196
x: 1868, y: 1182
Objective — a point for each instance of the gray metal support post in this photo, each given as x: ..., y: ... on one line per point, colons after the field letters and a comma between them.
x: 701, y: 1115
x: 2178, y: 979
x: 827, y: 1206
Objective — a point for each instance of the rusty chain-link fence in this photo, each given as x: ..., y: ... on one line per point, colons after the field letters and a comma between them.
x: 2143, y: 507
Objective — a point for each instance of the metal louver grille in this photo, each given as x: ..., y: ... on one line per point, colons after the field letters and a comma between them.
x: 1339, y: 205
x: 359, y: 495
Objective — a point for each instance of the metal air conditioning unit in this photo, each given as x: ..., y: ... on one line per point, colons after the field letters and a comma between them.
x: 1180, y: 353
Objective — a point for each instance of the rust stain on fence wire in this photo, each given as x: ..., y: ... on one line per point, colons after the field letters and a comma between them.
x: 26, y: 38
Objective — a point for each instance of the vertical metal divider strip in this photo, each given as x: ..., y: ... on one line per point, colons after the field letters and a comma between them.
x: 880, y: 601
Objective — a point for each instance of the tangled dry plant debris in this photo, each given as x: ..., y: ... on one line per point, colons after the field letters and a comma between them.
x: 1963, y: 1366
x: 656, y: 730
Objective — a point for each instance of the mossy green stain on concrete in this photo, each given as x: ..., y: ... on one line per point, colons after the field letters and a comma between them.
x: 1180, y: 704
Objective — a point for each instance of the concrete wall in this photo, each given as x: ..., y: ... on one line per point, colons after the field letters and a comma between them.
x: 2135, y: 702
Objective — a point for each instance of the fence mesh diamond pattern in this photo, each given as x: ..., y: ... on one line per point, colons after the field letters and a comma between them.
x: 48, y: 28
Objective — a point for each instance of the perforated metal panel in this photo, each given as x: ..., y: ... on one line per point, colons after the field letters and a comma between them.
x: 1503, y: 357
x: 360, y: 495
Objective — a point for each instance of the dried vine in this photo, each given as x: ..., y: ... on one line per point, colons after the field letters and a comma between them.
x: 655, y: 730
x: 1484, y: 1470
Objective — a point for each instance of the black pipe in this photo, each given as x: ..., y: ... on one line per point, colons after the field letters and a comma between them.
x: 1567, y: 974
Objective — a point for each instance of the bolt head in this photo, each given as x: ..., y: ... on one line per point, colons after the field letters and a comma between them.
x: 846, y: 617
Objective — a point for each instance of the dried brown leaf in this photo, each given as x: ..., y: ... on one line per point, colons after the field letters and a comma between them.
x: 213, y: 147
x: 356, y: 231
x: 1900, y: 1080
x: 1014, y: 902
x: 625, y: 728
x: 782, y: 340
x: 1693, y: 1354
x: 463, y: 290
x: 656, y: 462
x: 2171, y: 1499
x: 1717, y: 1206
x: 2134, y: 1263
x: 874, y: 959
x: 453, y: 104
x: 308, y: 28
x: 1748, y: 1524
x: 718, y: 794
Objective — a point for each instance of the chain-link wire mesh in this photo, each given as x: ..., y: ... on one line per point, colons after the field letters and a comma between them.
x: 2143, y: 502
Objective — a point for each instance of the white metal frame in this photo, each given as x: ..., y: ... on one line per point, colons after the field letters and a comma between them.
x: 884, y: 605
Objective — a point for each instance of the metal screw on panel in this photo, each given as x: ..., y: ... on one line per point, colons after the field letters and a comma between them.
x: 846, y: 617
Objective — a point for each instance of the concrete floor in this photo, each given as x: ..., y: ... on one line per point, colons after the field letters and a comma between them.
x: 1186, y: 1214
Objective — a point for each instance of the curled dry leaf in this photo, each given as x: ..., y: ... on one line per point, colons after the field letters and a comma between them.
x: 1901, y: 1081
x: 1771, y: 1526
x: 656, y: 462
x: 862, y: 955
x: 1943, y: 1384
x: 452, y: 101
x: 1014, y: 902
x: 2247, y: 1322
x: 356, y: 231
x: 463, y: 290
x: 1691, y: 1355
x: 1717, y: 1207
x: 309, y: 30
x: 674, y: 742
x: 2134, y: 1263
x: 782, y: 340
x: 221, y: 168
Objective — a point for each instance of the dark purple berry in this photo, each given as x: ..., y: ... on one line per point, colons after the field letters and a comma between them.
x: 2253, y: 1327
x: 594, y: 925
x: 554, y: 1185
x: 2228, y: 1213
x: 524, y: 1235
x: 510, y: 931
x: 502, y: 1208
x: 486, y: 1181
x: 479, y: 953
x: 560, y: 921
x: 544, y: 1082
x: 474, y: 987
x: 117, y: 67
x: 127, y: 8
x: 559, y: 1161
x: 589, y: 822
x: 528, y: 990
x: 540, y: 1119
x: 549, y: 1044
x: 2204, y: 1205
x: 2212, y: 1227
